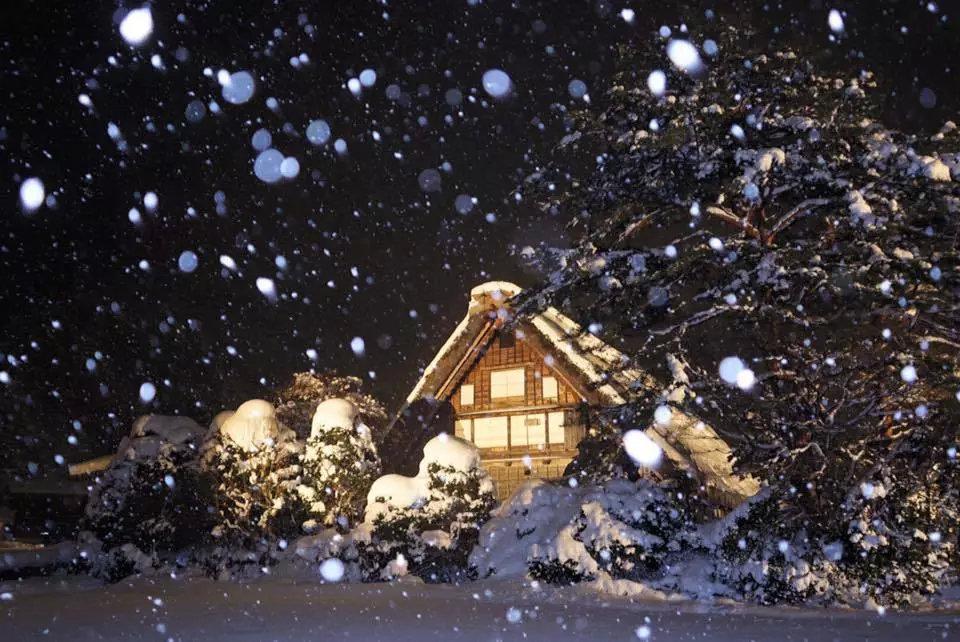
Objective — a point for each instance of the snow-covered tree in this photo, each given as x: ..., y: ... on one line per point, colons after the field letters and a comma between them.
x: 297, y: 403
x: 756, y: 222
x: 252, y: 463
x: 427, y: 525
x: 340, y: 463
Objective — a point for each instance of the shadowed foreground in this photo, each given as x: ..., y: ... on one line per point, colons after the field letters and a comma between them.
x: 274, y: 609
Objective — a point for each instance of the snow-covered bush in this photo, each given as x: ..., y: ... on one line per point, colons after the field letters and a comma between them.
x: 561, y: 534
x: 760, y: 559
x: 297, y: 403
x: 427, y: 525
x: 151, y: 502
x: 895, y: 546
x: 253, y: 468
x: 901, y: 541
x: 340, y: 463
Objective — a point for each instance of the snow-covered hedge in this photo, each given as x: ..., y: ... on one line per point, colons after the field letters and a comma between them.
x: 427, y: 525
x: 561, y: 533
x: 252, y: 465
x: 339, y: 465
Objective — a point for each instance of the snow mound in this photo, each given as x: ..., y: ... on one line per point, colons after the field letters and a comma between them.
x: 618, y: 528
x: 252, y: 425
x: 530, y: 518
x: 450, y: 451
x: 333, y: 413
x: 398, y: 491
x: 151, y: 432
x: 174, y: 429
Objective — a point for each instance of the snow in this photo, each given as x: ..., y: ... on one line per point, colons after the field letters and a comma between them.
x: 136, y: 26
x: 303, y: 607
x: 318, y: 132
x: 684, y: 56
x: 333, y: 413
x: 368, y: 78
x: 429, y: 180
x: 261, y: 140
x: 332, y: 570
x: 577, y: 88
x: 497, y: 83
x: 268, y: 166
x: 641, y: 449
x: 400, y: 491
x: 358, y: 346
x: 657, y: 83
x: 447, y: 450
x: 267, y: 287
x: 746, y: 379
x: 253, y: 425
x: 908, y: 374
x: 238, y: 87
x: 730, y: 369
x: 151, y: 201
x: 147, y: 392
x: 187, y: 261
x: 290, y: 167
x: 835, y: 21
x: 32, y: 194
x: 394, y: 490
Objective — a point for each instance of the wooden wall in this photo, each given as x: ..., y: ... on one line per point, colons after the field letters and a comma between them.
x: 503, y: 357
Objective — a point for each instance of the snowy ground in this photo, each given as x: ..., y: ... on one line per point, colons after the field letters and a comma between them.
x: 276, y: 609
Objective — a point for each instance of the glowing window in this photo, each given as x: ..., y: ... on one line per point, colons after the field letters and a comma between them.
x: 550, y: 389
x: 466, y: 394
x: 491, y: 432
x: 506, y: 383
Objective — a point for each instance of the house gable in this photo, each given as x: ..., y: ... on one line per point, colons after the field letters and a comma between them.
x: 504, y: 353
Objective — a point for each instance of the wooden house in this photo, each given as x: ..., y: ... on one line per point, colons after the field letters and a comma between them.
x: 521, y: 392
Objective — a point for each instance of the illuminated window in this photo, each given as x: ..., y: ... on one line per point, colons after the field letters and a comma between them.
x: 550, y: 390
x: 556, y: 428
x: 528, y: 431
x: 466, y: 394
x: 491, y: 432
x: 506, y: 383
x: 462, y: 429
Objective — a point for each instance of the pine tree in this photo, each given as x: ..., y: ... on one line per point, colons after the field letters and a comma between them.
x: 759, y: 210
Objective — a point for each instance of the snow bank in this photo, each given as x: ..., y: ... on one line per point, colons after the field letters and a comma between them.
x: 560, y: 534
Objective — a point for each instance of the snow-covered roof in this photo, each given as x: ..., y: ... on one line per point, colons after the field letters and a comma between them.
x: 585, y: 354
x: 601, y: 369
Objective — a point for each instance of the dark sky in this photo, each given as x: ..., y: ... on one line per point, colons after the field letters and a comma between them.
x: 368, y: 253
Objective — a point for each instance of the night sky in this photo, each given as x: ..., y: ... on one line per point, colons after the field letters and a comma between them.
x: 93, y: 305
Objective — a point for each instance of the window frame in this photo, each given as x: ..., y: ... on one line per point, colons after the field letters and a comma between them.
x: 473, y: 394
x: 556, y: 387
x: 505, y: 372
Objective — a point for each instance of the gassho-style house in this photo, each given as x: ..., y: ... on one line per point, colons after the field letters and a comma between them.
x: 521, y: 392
